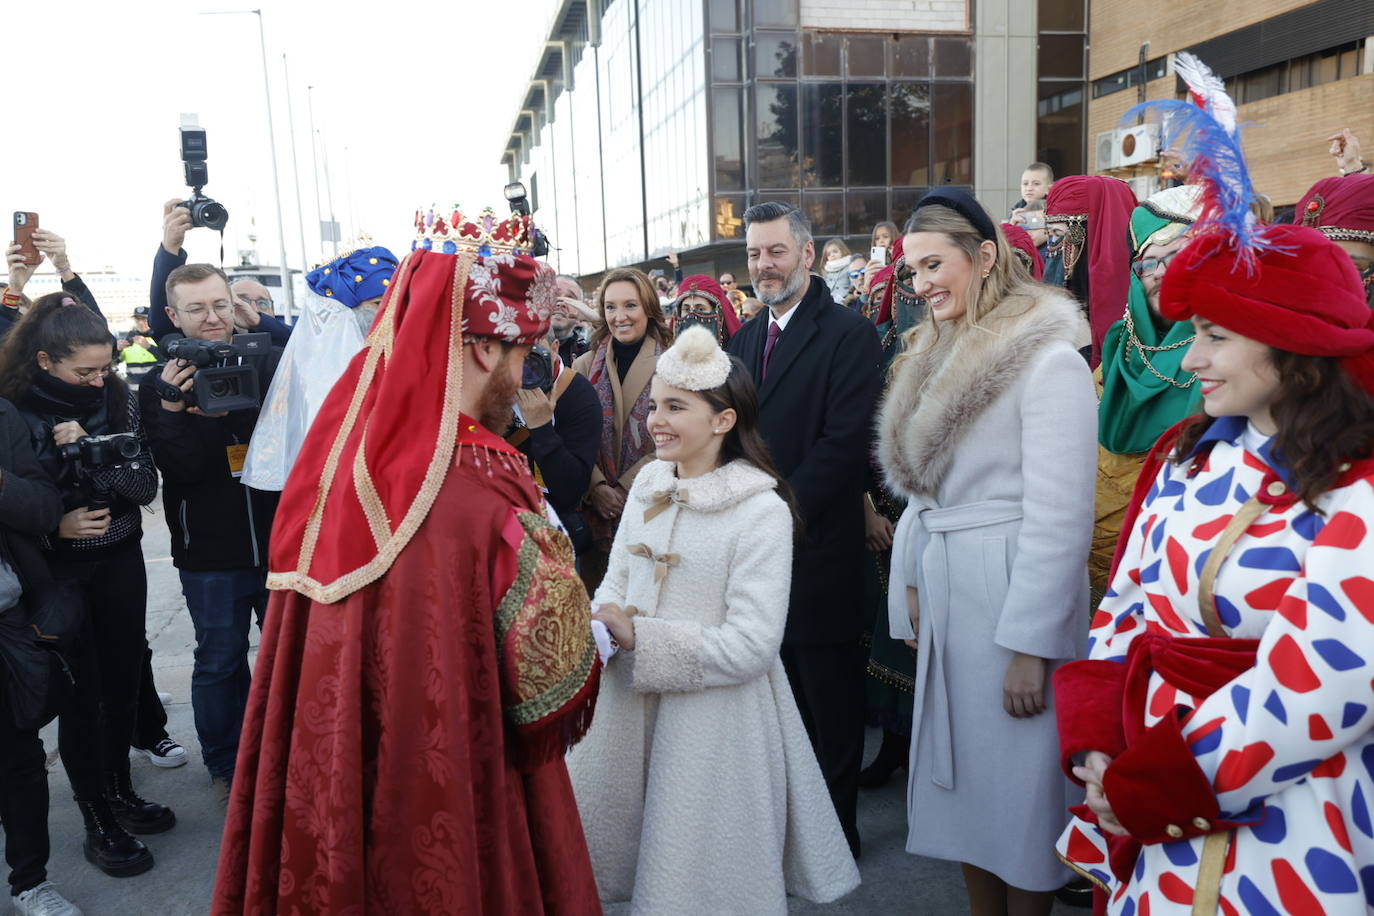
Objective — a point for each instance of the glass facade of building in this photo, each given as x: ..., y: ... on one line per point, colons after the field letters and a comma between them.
x: 1062, y: 114
x: 686, y: 113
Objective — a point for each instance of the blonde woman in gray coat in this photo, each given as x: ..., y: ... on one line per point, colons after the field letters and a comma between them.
x: 988, y: 428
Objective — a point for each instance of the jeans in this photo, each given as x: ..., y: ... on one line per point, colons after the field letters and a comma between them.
x: 221, y: 602
x: 23, y: 804
x: 93, y: 731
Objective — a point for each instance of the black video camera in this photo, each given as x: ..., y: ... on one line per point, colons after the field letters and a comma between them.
x: 94, y: 453
x: 218, y: 387
x: 538, y: 370
x: 204, y: 212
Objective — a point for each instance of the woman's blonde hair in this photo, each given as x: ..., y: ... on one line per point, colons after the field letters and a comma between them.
x: 648, y: 299
x: 984, y: 293
x: 833, y: 243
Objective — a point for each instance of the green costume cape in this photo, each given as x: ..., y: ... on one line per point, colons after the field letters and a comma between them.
x: 1137, y: 404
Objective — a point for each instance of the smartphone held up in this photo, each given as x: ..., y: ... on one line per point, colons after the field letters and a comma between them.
x: 25, y: 224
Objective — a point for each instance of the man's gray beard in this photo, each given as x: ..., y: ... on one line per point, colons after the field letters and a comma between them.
x: 791, y: 291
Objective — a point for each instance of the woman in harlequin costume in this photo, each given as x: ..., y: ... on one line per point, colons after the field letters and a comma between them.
x: 1224, y: 722
x: 702, y: 301
x: 698, y: 787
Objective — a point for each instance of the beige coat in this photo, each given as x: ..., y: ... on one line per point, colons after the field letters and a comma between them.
x: 636, y: 380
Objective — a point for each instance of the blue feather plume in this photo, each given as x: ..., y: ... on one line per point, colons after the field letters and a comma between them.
x: 1216, y: 162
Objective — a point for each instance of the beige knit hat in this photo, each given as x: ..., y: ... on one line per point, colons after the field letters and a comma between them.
x: 695, y: 362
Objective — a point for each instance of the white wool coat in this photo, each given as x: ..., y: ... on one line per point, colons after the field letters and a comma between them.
x: 991, y: 435
x: 698, y: 788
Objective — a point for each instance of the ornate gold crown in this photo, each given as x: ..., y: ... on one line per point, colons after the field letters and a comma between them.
x: 451, y: 232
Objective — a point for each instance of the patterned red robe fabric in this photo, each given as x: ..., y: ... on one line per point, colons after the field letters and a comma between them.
x: 376, y: 773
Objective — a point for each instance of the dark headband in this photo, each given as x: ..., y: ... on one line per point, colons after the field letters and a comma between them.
x: 966, y: 205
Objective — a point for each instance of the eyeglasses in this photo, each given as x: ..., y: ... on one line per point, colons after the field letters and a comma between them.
x: 1149, y: 265
x: 259, y: 304
x: 222, y: 309
x: 86, y: 376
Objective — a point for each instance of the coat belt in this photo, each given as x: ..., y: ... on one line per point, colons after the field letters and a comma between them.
x: 935, y: 609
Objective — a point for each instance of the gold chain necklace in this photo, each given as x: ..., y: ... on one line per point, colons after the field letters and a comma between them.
x: 1134, y: 341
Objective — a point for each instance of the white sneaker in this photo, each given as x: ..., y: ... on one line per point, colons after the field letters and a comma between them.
x: 163, y: 697
x: 167, y: 753
x: 44, y: 900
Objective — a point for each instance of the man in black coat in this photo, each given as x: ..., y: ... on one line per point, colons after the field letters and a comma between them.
x: 817, y: 366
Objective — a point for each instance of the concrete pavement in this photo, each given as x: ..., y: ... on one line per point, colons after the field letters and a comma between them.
x: 181, y: 882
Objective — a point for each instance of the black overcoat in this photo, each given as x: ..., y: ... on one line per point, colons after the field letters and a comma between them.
x: 817, y: 407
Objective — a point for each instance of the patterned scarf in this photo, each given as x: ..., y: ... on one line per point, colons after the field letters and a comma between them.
x: 635, y: 441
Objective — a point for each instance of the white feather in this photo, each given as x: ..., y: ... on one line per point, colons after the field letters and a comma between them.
x: 1207, y: 86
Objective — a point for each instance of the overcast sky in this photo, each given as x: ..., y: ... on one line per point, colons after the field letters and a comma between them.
x: 413, y: 104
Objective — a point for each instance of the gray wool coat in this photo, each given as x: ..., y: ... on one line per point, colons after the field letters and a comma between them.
x: 990, y: 433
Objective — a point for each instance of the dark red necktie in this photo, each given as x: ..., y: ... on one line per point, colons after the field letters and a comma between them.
x: 774, y: 332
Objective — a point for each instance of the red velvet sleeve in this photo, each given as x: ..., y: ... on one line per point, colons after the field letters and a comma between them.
x: 1087, y: 703
x: 1159, y: 793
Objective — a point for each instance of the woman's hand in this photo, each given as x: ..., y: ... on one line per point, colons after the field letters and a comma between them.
x: 608, y: 501
x: 913, y: 613
x: 80, y: 524
x: 1023, y: 690
x: 19, y: 271
x: 55, y: 247
x: 67, y: 433
x: 1345, y: 149
x: 1092, y: 772
x: 619, y: 623
x: 877, y: 529
x: 866, y: 281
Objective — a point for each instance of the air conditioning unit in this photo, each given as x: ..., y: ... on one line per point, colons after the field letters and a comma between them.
x: 1135, y: 144
x: 1107, y: 156
x: 1144, y: 186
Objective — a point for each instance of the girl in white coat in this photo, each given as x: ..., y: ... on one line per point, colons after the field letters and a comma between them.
x: 698, y: 788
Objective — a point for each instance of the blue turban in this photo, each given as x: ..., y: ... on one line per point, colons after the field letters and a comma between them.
x: 354, y: 278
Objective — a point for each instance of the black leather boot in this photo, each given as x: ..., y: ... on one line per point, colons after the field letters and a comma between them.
x: 108, y: 846
x: 891, y: 756
x: 135, y: 814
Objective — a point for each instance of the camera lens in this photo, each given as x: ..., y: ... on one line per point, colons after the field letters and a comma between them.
x: 221, y: 387
x: 128, y: 447
x: 210, y: 214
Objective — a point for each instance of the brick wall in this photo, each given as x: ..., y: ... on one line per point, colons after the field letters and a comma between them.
x: 1119, y: 27
x: 1285, y: 144
x: 886, y: 15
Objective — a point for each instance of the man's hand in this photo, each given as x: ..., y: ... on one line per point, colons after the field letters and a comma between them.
x: 672, y: 258
x: 1023, y: 689
x: 869, y: 272
x: 246, y: 317
x: 608, y: 501
x: 578, y: 310
x: 179, y: 373
x: 55, y: 247
x: 67, y: 433
x: 176, y: 222
x: 19, y: 271
x: 619, y: 623
x: 1345, y: 149
x: 80, y: 524
x: 535, y: 406
x: 877, y: 529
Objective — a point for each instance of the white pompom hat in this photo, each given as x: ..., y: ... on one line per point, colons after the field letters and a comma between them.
x: 695, y: 362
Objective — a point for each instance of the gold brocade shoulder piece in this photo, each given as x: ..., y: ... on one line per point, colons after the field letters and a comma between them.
x: 381, y: 342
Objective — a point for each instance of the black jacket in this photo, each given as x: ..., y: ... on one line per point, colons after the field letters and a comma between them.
x: 215, y: 521
x: 565, y: 450
x: 816, y: 413
x: 29, y: 502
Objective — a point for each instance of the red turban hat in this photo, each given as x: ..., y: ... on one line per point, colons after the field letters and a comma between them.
x: 708, y: 289
x: 1342, y: 209
x: 1021, y: 240
x: 1303, y: 295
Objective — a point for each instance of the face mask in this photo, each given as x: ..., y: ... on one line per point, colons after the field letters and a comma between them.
x: 1054, y: 268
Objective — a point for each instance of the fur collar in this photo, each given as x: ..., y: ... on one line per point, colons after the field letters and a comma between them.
x: 724, y: 487
x: 939, y: 392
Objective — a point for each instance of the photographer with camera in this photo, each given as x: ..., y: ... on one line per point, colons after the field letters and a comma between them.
x: 200, y: 417
x: 85, y: 429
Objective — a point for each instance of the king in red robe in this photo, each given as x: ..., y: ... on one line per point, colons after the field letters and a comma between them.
x: 427, y: 657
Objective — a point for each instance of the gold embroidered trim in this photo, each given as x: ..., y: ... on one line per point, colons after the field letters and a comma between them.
x: 1085, y: 873
x: 368, y: 497
x: 300, y: 580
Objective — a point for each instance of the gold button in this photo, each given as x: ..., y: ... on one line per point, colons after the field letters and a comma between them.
x: 1277, y: 488
x: 386, y: 282
x: 326, y: 271
x: 372, y: 260
x: 1174, y: 830
x: 1202, y: 823
x: 358, y: 278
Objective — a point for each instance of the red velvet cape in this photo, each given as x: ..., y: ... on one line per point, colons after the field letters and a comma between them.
x: 376, y: 773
